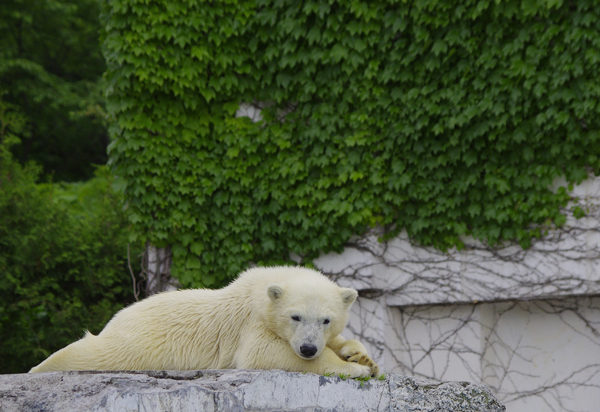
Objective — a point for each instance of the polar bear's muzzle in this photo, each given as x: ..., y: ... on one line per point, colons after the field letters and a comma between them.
x: 308, y: 350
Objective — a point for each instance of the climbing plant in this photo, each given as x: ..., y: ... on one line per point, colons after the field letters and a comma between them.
x: 439, y: 118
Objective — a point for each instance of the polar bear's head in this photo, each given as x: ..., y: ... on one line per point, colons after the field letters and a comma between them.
x: 309, y: 314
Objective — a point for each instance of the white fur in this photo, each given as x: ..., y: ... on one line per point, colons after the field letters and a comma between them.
x: 246, y: 325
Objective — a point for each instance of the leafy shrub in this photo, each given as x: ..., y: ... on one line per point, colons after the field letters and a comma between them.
x: 51, y: 68
x: 63, y: 260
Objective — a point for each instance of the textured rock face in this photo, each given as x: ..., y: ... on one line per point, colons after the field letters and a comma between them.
x: 234, y: 391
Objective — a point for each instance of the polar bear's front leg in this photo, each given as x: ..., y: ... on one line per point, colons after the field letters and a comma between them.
x: 352, y: 350
x: 278, y: 354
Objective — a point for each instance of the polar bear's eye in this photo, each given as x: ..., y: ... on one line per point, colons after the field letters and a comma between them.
x: 326, y: 321
x: 296, y: 318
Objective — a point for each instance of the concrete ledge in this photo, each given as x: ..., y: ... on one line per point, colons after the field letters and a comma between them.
x: 234, y: 390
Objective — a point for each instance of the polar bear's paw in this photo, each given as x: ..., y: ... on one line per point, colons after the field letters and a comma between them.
x: 354, y: 351
x: 364, y: 359
x: 359, y: 371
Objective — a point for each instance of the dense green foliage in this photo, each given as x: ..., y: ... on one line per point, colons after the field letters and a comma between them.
x: 441, y: 118
x: 63, y: 257
x: 51, y: 68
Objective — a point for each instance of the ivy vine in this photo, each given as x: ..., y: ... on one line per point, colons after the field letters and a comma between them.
x: 443, y: 119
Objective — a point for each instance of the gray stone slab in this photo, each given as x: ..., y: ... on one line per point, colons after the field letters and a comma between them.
x: 234, y: 390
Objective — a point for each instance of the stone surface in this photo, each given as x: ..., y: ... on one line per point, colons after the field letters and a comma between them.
x: 234, y: 390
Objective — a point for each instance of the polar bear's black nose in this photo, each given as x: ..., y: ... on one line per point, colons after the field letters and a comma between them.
x: 308, y: 350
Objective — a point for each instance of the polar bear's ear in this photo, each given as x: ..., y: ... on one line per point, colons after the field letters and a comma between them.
x: 274, y: 292
x: 349, y: 296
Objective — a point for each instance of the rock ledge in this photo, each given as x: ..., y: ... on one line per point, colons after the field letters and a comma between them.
x: 234, y: 390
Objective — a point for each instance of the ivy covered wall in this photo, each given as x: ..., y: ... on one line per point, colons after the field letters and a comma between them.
x: 441, y: 119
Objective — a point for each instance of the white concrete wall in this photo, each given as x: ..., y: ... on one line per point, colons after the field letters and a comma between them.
x: 524, y: 322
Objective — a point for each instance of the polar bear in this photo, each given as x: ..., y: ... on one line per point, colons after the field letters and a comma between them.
x: 286, y: 318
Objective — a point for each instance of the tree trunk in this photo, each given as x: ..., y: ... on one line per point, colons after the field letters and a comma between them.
x: 158, y: 270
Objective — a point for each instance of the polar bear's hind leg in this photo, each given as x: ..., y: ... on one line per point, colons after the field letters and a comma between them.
x: 76, y: 356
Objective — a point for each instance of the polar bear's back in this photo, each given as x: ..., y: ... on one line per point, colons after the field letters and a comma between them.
x: 257, y: 280
x: 181, y: 330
